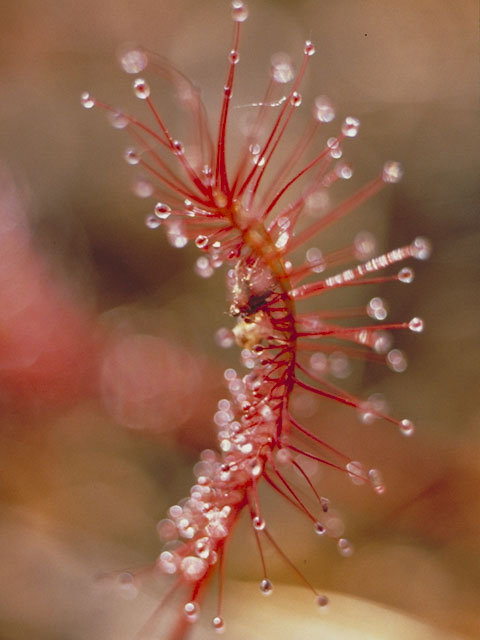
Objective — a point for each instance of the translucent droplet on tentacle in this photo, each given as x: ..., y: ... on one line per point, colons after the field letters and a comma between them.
x: 167, y: 562
x: 406, y: 275
x: 266, y: 587
x: 201, y: 241
x: 319, y: 529
x: 335, y: 149
x: 315, y: 259
x: 407, y: 428
x: 162, y: 211
x: 392, y: 172
x: 191, y: 611
x: 152, y: 222
x: 370, y: 409
x: 322, y: 601
x: 345, y: 547
x: 178, y: 149
x: 142, y: 188
x: 127, y: 586
x: 344, y: 170
x: 87, y: 100
x: 176, y: 233
x: 258, y: 523
x: 309, y: 48
x: 281, y: 68
x: 131, y: 156
x: 350, y: 126
x: 193, y: 568
x: 376, y: 309
x: 132, y: 60
x: 202, y: 548
x: 356, y: 472
x: 141, y: 88
x: 382, y: 341
x: 364, y: 245
x: 376, y: 480
x: 204, y: 269
x: 117, y: 120
x: 218, y: 624
x: 396, y: 360
x: 239, y: 11
x: 416, y: 325
x: 234, y: 56
x: 422, y: 248
x: 323, y: 109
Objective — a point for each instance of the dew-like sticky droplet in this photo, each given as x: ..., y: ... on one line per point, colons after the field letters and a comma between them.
x: 422, y: 248
x: 322, y: 601
x: 319, y: 529
x: 258, y: 523
x: 309, y: 48
x: 350, y: 126
x: 162, y: 211
x: 344, y: 170
x: 407, y: 428
x: 356, y: 472
x: 118, y: 120
x: 296, y: 99
x: 234, y: 56
x: 87, y: 100
x: 416, y: 325
x: 396, y: 360
x: 392, y: 172
x: 193, y: 568
x: 345, y: 547
x: 281, y: 68
x: 376, y: 480
x: 191, y: 611
x: 141, y: 88
x: 133, y: 60
x: 323, y: 109
x: 131, y: 156
x: 239, y: 11
x: 266, y: 587
x: 406, y: 275
x: 218, y: 624
x: 152, y: 222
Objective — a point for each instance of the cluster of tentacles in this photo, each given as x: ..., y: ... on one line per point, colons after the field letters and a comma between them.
x: 245, y: 217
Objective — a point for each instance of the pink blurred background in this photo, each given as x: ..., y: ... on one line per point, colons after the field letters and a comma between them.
x: 109, y: 371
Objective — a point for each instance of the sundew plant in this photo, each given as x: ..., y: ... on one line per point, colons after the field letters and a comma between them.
x: 258, y: 212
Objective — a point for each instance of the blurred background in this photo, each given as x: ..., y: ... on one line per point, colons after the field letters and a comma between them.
x: 109, y: 370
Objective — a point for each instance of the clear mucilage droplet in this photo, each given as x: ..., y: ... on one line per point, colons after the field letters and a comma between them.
x: 191, y: 611
x: 296, y: 99
x: 133, y: 60
x: 87, y: 101
x: 323, y: 109
x: 141, y: 88
x: 392, y: 172
x: 309, y: 48
x: 266, y: 587
x: 218, y: 624
x: 239, y: 11
x: 281, y: 68
x: 350, y: 126
x: 162, y: 211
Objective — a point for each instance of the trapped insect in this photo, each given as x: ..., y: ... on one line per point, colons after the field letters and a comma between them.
x: 250, y: 218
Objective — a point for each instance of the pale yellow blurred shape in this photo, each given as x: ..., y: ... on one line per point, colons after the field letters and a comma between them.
x: 290, y: 613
